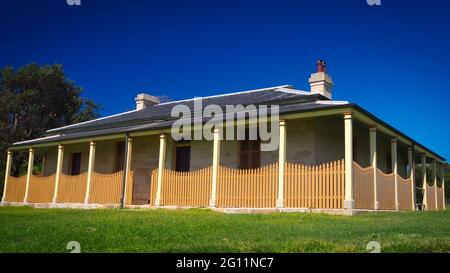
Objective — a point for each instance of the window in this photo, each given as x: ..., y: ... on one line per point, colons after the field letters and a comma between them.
x: 249, y: 154
x: 75, y: 167
x: 183, y: 158
x: 120, y: 150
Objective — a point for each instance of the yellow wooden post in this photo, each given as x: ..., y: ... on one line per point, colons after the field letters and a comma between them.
x: 7, y: 173
x: 29, y: 173
x: 215, y: 167
x: 349, y: 202
x: 281, y: 164
x: 412, y: 176
x: 435, y: 184
x: 373, y: 159
x: 90, y: 171
x: 161, y: 166
x: 395, y: 170
x: 424, y: 180
x: 127, y: 171
x: 59, y: 165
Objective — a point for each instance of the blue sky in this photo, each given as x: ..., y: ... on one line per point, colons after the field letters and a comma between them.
x: 393, y: 59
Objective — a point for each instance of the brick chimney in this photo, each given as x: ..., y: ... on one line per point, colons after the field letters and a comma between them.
x: 320, y: 81
x: 145, y: 100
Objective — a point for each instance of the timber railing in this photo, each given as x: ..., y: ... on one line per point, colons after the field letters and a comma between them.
x: 386, y: 190
x: 41, y: 189
x: 190, y: 189
x: 106, y: 188
x: 320, y: 186
x: 72, y: 189
x: 440, y: 198
x: 431, y: 199
x: 153, y: 186
x: 363, y: 187
x: 251, y: 188
x: 404, y: 193
x: 15, y: 191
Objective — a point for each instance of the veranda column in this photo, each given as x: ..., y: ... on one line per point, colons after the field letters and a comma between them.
x: 29, y: 173
x: 395, y: 169
x: 281, y: 164
x: 424, y: 180
x: 59, y: 164
x: 215, y: 167
x: 7, y: 173
x: 373, y: 162
x: 412, y: 176
x: 435, y: 184
x: 161, y: 166
x: 443, y: 185
x: 349, y: 202
x: 90, y: 170
x: 126, y: 170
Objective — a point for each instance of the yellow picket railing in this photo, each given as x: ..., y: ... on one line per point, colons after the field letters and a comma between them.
x: 106, y: 188
x: 41, y: 189
x: 404, y: 193
x: 431, y: 198
x: 440, y: 198
x: 386, y: 190
x: 320, y: 186
x: 153, y: 186
x: 72, y: 189
x: 363, y: 187
x: 192, y: 189
x: 15, y: 191
x: 252, y: 188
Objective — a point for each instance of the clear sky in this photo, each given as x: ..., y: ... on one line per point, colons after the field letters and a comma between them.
x: 393, y: 59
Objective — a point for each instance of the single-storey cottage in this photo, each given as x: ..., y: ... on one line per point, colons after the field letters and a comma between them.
x: 329, y: 156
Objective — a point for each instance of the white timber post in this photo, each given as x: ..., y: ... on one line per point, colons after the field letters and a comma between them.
x: 395, y: 170
x: 281, y: 163
x: 29, y: 173
x: 127, y: 170
x: 215, y: 167
x: 373, y: 161
x: 90, y: 171
x: 412, y: 176
x: 443, y: 186
x: 59, y: 164
x: 7, y: 173
x: 435, y: 184
x: 161, y: 166
x: 349, y: 202
x: 424, y: 180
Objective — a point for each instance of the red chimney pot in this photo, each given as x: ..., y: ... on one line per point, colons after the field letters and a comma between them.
x: 321, y: 66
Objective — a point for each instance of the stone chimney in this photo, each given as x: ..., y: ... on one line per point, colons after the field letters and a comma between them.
x: 145, y: 100
x: 320, y: 81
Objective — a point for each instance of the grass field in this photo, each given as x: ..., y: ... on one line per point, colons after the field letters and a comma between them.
x: 24, y: 229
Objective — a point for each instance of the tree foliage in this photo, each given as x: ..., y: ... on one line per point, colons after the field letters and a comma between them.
x: 34, y: 99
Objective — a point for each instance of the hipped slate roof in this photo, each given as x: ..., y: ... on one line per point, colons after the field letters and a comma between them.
x: 158, y: 116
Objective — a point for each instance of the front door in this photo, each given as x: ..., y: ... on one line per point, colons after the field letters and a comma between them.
x: 183, y: 159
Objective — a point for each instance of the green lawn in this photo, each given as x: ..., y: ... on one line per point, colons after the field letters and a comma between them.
x: 24, y: 229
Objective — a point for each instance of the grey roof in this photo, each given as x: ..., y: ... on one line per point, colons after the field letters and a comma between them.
x: 161, y: 112
x: 159, y: 116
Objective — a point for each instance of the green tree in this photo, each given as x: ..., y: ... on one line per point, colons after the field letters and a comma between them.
x: 34, y: 99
